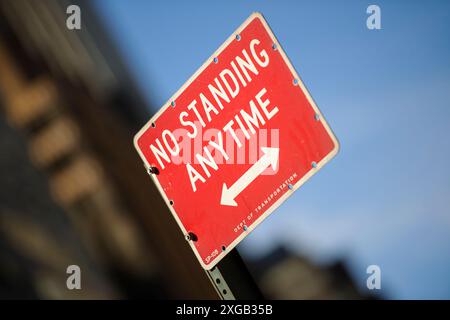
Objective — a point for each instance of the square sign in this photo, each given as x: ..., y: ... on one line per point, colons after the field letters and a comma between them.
x: 235, y: 141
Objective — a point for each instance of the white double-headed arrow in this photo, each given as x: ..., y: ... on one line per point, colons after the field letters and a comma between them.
x: 270, y: 157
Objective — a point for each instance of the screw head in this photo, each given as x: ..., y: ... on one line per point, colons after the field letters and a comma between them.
x: 191, y: 237
x: 152, y: 170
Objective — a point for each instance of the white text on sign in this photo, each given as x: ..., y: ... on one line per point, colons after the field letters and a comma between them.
x: 225, y: 88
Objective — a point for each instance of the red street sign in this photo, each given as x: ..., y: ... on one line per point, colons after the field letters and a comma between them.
x: 235, y: 141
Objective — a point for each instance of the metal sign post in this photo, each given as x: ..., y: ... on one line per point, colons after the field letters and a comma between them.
x: 232, y: 279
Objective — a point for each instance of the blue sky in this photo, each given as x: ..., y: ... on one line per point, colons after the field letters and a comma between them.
x: 385, y: 199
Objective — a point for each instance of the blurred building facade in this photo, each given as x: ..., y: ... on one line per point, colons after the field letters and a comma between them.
x: 73, y: 188
x: 283, y: 274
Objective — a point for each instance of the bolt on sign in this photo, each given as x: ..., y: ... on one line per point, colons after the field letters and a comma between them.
x: 235, y: 141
